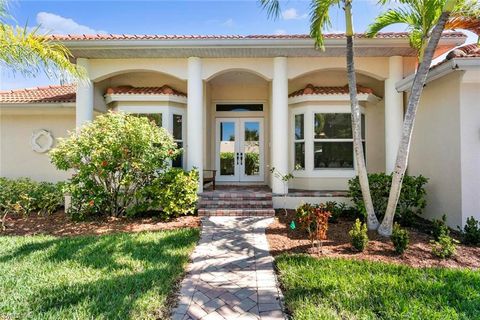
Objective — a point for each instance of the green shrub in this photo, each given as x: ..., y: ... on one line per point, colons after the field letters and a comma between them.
x: 471, y: 232
x: 24, y: 196
x: 412, y: 197
x: 179, y: 192
x: 439, y: 227
x: 116, y: 160
x: 400, y: 239
x: 444, y: 247
x: 336, y: 210
x: 359, y: 236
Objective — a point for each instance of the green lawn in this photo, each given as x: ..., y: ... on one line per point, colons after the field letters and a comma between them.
x: 347, y: 289
x: 116, y: 276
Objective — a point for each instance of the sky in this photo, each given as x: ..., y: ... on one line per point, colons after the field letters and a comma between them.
x: 169, y: 17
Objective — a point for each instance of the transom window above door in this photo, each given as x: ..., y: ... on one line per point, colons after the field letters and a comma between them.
x: 323, y: 140
x: 245, y: 107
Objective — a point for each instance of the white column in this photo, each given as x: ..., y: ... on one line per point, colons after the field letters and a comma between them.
x: 393, y: 112
x: 195, y: 118
x: 84, y: 100
x: 279, y: 123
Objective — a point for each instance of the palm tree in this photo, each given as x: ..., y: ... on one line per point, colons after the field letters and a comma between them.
x: 29, y: 52
x: 426, y: 20
x: 320, y: 19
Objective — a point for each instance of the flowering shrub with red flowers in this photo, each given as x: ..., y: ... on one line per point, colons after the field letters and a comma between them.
x: 115, y: 161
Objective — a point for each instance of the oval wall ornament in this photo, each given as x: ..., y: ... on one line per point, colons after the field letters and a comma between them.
x: 42, y: 141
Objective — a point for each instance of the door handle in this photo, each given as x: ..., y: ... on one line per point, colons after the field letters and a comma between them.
x: 238, y: 155
x: 241, y: 158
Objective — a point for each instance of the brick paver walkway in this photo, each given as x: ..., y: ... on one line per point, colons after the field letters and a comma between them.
x: 231, y: 275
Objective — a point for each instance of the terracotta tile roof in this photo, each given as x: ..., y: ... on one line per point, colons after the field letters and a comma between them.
x: 467, y: 51
x: 311, y: 89
x: 382, y: 35
x: 62, y: 93
x: 145, y: 90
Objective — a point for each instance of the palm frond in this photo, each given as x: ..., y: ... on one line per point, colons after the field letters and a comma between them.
x: 388, y: 18
x: 272, y: 7
x: 320, y: 20
x: 29, y: 53
x: 4, y: 10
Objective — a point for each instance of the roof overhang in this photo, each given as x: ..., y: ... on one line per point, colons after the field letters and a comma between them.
x: 216, y: 48
x: 332, y: 98
x: 144, y: 97
x: 441, y: 70
x: 57, y: 108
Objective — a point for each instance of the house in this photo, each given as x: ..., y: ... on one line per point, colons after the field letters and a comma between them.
x: 243, y: 104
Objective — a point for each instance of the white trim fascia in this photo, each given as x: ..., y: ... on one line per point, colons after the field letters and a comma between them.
x: 37, y: 105
x: 331, y: 97
x: 242, y: 43
x: 144, y: 97
x: 440, y: 71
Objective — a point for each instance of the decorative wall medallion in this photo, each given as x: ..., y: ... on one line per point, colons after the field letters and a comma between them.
x: 42, y: 141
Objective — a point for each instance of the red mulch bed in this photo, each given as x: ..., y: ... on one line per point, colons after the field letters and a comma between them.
x: 59, y: 224
x: 419, y: 254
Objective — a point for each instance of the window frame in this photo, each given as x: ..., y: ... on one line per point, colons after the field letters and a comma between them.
x: 309, y: 111
x: 167, y: 113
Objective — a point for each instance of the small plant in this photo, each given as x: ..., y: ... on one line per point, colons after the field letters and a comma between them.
x: 285, y: 178
x: 359, y: 236
x: 471, y: 232
x: 314, y: 219
x: 445, y: 247
x: 336, y: 209
x: 400, y: 239
x: 439, y: 227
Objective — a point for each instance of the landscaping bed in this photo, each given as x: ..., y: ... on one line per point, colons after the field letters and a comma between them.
x: 334, y: 288
x: 59, y: 224
x: 283, y: 239
x: 114, y: 276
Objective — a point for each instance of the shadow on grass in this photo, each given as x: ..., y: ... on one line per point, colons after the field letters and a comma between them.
x: 116, y: 276
x: 377, y: 290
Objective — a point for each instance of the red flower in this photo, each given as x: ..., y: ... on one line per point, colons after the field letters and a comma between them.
x: 91, y: 203
x: 171, y: 152
x: 104, y: 163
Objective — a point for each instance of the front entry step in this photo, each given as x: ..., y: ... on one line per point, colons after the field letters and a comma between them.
x: 237, y: 212
x: 236, y: 201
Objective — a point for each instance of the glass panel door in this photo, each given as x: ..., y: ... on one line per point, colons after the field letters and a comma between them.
x: 227, y: 149
x: 251, y: 150
x: 239, y: 151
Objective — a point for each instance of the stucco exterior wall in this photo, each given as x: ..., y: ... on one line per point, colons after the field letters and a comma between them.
x: 435, y: 151
x: 17, y: 159
x: 470, y: 148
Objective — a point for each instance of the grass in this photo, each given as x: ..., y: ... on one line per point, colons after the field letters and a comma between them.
x: 117, y: 276
x: 347, y: 289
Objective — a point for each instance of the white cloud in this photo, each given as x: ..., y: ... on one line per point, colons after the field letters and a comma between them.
x: 292, y: 14
x: 280, y: 32
x: 228, y: 23
x: 55, y: 24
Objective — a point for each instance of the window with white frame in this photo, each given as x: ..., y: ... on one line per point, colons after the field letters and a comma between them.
x: 177, y: 133
x: 299, y: 144
x: 170, y: 119
x: 323, y: 139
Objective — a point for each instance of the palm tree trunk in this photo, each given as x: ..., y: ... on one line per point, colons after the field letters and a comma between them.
x: 372, y: 221
x: 385, y: 228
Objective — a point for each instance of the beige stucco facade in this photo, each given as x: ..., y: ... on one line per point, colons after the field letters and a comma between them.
x: 446, y: 146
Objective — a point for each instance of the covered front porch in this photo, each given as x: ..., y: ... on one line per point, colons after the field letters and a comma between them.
x: 242, y: 117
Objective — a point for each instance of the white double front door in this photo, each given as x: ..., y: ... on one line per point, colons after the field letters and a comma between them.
x: 239, y: 153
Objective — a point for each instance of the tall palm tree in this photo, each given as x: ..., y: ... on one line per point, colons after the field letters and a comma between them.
x: 29, y: 52
x: 426, y: 20
x: 320, y: 19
